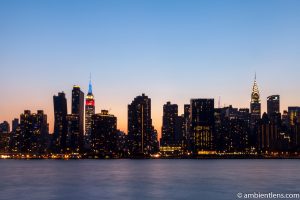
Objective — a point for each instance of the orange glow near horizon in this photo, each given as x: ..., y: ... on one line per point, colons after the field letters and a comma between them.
x: 121, y: 113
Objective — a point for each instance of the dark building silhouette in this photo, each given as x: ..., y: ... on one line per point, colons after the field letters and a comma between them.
x: 78, y: 106
x: 179, y: 130
x: 60, y: 122
x: 268, y: 135
x: 15, y: 124
x: 186, y: 132
x: 104, y: 135
x: 293, y: 129
x: 140, y: 130
x: 4, y: 127
x: 275, y: 125
x: 172, y: 130
x: 286, y: 133
x: 4, y: 136
x: 122, y: 149
x: 34, y: 132
x: 202, y: 125
x: 169, y: 126
x: 4, y: 142
x: 273, y: 104
x: 16, y: 141
x: 89, y: 110
x: 244, y: 114
x: 232, y: 129
x: 74, y: 139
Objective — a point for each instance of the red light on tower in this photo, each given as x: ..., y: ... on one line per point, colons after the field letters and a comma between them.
x: 90, y: 102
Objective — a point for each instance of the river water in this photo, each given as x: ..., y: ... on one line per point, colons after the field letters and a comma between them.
x: 145, y: 179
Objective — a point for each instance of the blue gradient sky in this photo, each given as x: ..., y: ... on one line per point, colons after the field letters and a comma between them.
x: 168, y: 49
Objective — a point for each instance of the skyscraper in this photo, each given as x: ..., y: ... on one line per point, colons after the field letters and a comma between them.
x: 255, y: 115
x: 169, y: 126
x: 89, y: 109
x: 15, y: 124
x: 294, y: 126
x: 4, y: 136
x: 4, y: 127
x: 74, y: 140
x: 186, y: 131
x: 78, y: 106
x: 103, y: 134
x: 293, y: 115
x: 255, y: 106
x: 202, y: 124
x: 60, y: 122
x: 231, y: 129
x: 273, y: 104
x: 268, y: 135
x: 75, y: 121
x: 140, y: 130
x: 34, y: 131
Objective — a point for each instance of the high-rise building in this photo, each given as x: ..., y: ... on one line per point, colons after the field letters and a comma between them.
x: 104, y: 134
x: 27, y: 131
x: 293, y: 115
x: 172, y: 130
x: 255, y: 105
x: 202, y: 125
x: 15, y: 124
x: 34, y: 131
x: 255, y: 115
x: 179, y: 130
x: 294, y: 126
x: 78, y: 106
x: 169, y: 126
x: 74, y: 140
x: 122, y: 144
x: 273, y: 104
x: 231, y: 129
x: 4, y: 127
x: 244, y: 114
x: 268, y: 135
x: 4, y: 136
x: 60, y: 122
x: 89, y: 110
x: 140, y: 130
x: 186, y: 131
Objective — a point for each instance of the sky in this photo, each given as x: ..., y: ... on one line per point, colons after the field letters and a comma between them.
x: 170, y: 50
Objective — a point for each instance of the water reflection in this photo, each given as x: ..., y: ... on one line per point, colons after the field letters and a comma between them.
x: 145, y: 179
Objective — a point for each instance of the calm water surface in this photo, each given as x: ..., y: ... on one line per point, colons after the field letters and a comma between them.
x: 145, y: 179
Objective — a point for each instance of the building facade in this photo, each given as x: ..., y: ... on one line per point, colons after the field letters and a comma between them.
x: 142, y: 136
x: 104, y: 134
x: 89, y: 110
x: 202, y: 125
x: 60, y: 123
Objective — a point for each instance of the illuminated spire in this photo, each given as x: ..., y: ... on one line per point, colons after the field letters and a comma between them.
x: 255, y: 96
x: 90, y: 92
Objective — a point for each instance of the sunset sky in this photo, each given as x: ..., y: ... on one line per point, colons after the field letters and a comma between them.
x: 170, y: 50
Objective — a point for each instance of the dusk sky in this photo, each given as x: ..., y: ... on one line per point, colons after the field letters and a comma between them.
x: 170, y: 50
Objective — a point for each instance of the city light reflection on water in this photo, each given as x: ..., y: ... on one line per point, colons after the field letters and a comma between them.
x: 145, y: 179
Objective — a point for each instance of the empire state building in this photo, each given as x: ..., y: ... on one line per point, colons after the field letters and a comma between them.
x: 89, y: 109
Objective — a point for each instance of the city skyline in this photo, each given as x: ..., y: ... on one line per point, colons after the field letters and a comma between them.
x: 172, y: 52
x: 218, y: 100
x: 149, y: 99
x: 203, y: 130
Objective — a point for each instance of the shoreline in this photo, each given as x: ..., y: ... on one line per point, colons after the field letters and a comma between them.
x: 202, y: 157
